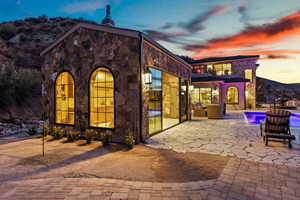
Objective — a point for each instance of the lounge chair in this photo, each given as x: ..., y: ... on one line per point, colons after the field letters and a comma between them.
x: 277, y: 125
x: 214, y: 111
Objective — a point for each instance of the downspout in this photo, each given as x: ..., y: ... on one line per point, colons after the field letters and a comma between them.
x: 141, y: 53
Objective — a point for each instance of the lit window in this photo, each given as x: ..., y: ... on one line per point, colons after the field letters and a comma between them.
x: 248, y: 74
x: 222, y: 69
x: 64, y: 99
x: 102, y: 98
x: 232, y: 95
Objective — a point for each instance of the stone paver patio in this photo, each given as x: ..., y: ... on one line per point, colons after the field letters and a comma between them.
x: 231, y: 136
x: 240, y: 179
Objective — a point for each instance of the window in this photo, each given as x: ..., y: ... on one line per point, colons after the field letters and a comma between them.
x: 232, y: 95
x: 64, y: 99
x: 205, y: 96
x: 248, y: 74
x: 102, y: 98
x: 222, y: 69
x: 183, y: 99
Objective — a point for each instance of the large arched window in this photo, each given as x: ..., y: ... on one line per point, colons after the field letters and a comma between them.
x: 232, y: 95
x: 102, y: 98
x: 64, y: 99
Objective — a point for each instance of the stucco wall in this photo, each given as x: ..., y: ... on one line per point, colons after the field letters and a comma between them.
x: 241, y: 88
x: 81, y: 53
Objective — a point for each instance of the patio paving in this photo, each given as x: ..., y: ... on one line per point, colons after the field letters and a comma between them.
x: 231, y: 136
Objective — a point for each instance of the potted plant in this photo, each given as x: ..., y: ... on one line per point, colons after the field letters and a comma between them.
x: 89, y: 135
x: 105, y: 137
x: 129, y: 140
x: 58, y: 132
x: 73, y: 135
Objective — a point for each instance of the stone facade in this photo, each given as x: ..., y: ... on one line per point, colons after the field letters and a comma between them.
x: 155, y: 57
x: 84, y: 49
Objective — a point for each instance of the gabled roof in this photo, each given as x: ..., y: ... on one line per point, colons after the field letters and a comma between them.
x: 225, y: 78
x: 114, y: 30
x: 219, y: 59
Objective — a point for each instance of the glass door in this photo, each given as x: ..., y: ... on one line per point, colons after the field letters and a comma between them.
x: 155, y: 102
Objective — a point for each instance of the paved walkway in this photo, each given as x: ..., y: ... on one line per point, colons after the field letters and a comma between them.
x: 228, y: 137
x: 240, y: 180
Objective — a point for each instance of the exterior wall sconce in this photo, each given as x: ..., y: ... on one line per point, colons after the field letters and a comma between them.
x: 148, y: 77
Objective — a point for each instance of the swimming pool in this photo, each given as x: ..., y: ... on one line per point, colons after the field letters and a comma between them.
x: 257, y: 117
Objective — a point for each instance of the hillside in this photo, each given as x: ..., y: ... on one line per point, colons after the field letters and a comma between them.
x: 268, y: 90
x: 21, y: 42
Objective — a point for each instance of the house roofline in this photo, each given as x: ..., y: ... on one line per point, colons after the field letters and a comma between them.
x: 224, y: 59
x: 114, y: 30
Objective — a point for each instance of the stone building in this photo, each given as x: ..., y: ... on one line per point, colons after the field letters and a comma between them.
x: 99, y: 77
x: 230, y: 80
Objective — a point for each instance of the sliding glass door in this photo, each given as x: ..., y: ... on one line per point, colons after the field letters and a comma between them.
x: 155, y: 102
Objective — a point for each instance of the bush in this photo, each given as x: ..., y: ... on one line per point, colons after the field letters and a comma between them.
x: 89, y: 135
x: 73, y: 135
x: 58, y: 132
x: 18, y: 85
x: 32, y: 131
x: 105, y: 137
x: 129, y: 140
x: 7, y: 31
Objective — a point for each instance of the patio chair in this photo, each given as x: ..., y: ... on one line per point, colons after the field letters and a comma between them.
x: 277, y: 125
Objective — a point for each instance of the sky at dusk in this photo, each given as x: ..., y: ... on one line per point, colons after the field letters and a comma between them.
x: 197, y: 28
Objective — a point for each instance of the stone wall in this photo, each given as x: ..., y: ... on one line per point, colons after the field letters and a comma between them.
x: 239, y: 68
x: 154, y: 57
x: 81, y: 53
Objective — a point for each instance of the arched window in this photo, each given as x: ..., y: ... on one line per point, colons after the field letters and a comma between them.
x: 64, y: 99
x: 232, y: 95
x: 102, y: 98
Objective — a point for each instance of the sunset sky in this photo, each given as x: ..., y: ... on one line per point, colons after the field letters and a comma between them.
x: 198, y: 28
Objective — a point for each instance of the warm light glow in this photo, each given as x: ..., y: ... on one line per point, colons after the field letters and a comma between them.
x: 102, y: 99
x: 148, y: 78
x: 248, y: 74
x: 232, y: 95
x: 64, y: 99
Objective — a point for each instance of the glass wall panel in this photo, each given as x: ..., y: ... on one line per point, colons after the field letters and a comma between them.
x: 215, y: 96
x: 170, y: 100
x: 155, y: 102
x: 64, y: 99
x: 205, y: 96
x: 248, y: 74
x: 102, y: 99
x: 183, y: 99
x: 195, y: 96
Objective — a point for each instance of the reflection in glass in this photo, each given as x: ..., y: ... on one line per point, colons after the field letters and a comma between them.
x: 64, y: 99
x: 170, y: 100
x: 102, y: 99
x: 155, y: 102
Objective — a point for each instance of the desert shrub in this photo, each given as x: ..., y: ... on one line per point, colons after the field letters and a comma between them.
x: 18, y: 85
x: 32, y: 131
x: 58, y: 132
x: 105, y: 137
x: 89, y: 135
x: 129, y: 140
x: 7, y: 31
x: 73, y: 135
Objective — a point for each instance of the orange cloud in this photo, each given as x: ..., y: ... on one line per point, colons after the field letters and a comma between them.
x: 251, y: 37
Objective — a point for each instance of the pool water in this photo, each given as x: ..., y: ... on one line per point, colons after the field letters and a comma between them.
x: 257, y: 117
